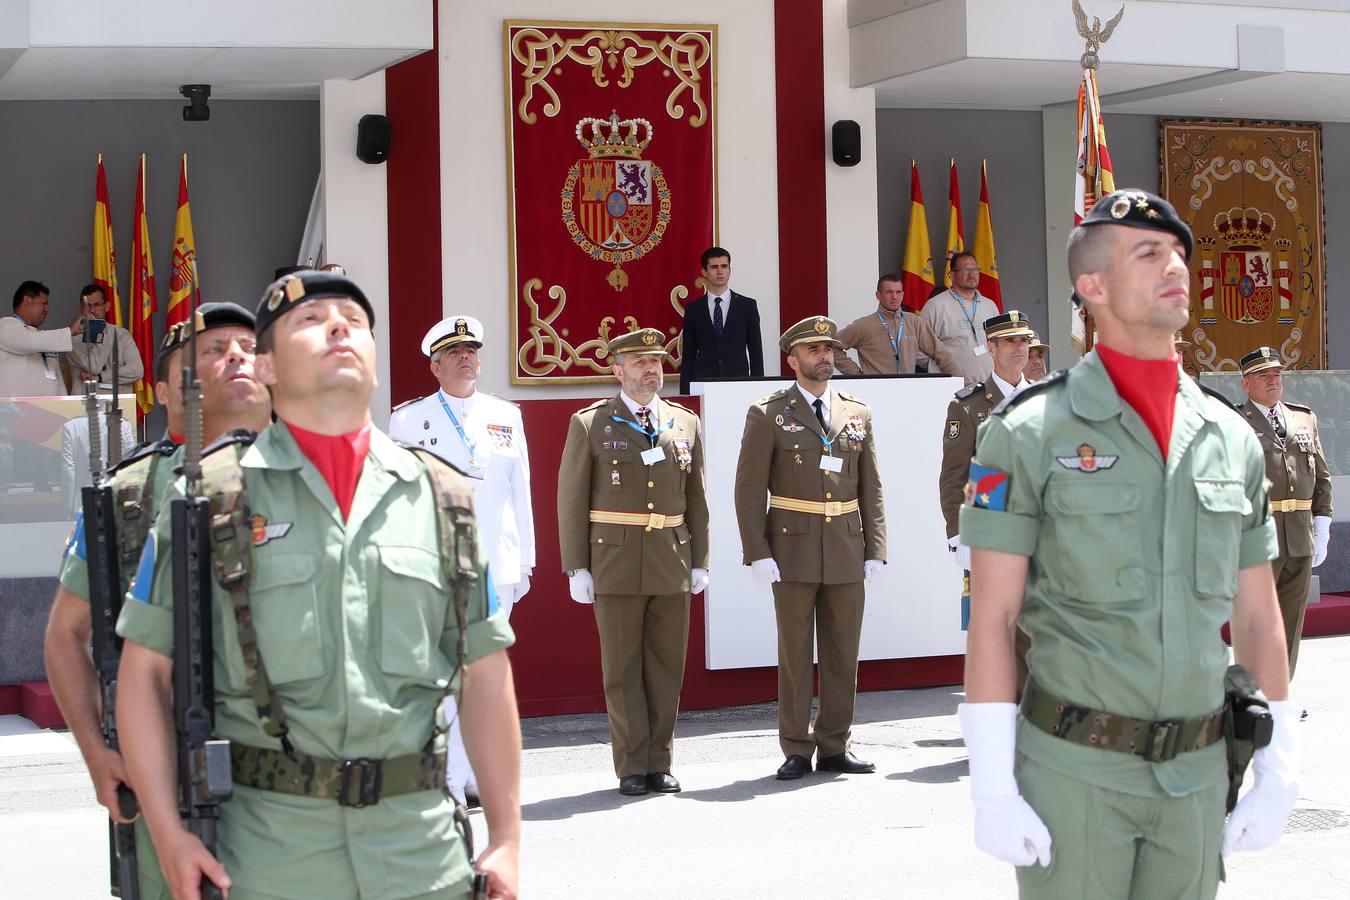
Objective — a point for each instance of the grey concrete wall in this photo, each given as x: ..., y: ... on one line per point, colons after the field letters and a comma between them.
x: 251, y: 174
x: 24, y: 604
x: 1011, y: 141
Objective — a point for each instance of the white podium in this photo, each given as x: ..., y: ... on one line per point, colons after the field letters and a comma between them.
x: 914, y: 610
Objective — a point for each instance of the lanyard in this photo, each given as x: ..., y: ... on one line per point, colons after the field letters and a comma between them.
x: 829, y: 444
x: 458, y: 427
x: 899, y: 333
x: 653, y: 435
x: 970, y: 316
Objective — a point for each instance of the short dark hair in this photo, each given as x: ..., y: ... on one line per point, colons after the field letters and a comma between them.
x: 89, y: 289
x: 713, y: 253
x: 162, y: 366
x: 889, y: 276
x: 956, y: 257
x: 29, y: 289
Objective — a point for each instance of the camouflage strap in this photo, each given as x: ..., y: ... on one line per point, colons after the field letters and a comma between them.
x: 1154, y: 741
x: 134, y: 507
x: 351, y: 782
x: 232, y: 561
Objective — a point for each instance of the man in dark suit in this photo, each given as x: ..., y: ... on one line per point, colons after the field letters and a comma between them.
x: 721, y: 328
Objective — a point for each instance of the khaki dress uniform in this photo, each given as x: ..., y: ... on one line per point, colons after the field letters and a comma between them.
x: 819, y: 526
x: 889, y: 343
x: 965, y: 414
x: 1300, y: 489
x: 1133, y: 569
x: 640, y: 529
x: 356, y: 628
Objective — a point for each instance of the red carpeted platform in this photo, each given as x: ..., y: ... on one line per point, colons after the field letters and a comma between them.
x: 37, y: 703
x: 1331, y: 616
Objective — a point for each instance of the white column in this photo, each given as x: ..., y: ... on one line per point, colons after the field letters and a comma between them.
x: 356, y: 219
x: 1059, y: 134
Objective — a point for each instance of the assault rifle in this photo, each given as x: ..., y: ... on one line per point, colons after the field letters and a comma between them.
x: 105, y: 602
x: 203, y: 763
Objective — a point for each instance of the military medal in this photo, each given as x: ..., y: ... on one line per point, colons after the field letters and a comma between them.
x: 778, y: 419
x: 614, y: 478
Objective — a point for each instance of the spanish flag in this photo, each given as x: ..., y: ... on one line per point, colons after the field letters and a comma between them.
x: 105, y: 259
x: 983, y: 246
x: 1094, y: 178
x: 143, y: 298
x: 956, y: 229
x: 917, y: 274
x: 181, y: 276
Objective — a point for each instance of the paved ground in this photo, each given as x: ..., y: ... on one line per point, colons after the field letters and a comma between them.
x: 735, y: 832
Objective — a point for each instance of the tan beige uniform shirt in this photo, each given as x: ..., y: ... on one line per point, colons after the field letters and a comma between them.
x: 888, y: 344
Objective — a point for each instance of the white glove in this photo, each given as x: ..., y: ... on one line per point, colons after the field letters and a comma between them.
x: 523, y: 585
x: 1258, y: 819
x: 698, y: 580
x: 1321, y: 537
x: 962, y: 553
x: 582, y: 586
x: 1005, y: 825
x: 872, y: 569
x: 765, y: 570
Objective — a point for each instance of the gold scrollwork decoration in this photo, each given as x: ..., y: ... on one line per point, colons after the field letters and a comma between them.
x: 604, y: 52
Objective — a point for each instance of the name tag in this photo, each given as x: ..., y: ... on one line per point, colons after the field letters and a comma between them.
x: 832, y: 464
x: 654, y: 455
x: 981, y: 350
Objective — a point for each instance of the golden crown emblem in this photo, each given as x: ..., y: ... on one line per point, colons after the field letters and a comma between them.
x: 822, y: 327
x: 1244, y: 229
x: 461, y: 327
x: 649, y: 338
x: 614, y: 137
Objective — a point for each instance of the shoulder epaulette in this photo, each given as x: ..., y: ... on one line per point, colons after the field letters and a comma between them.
x: 1034, y: 388
x: 241, y: 436
x: 1227, y: 404
x: 410, y: 402
x: 776, y: 395
x: 850, y: 397
x: 596, y: 405
x: 1298, y: 406
x: 679, y: 406
x: 163, y: 447
x: 970, y: 390
x: 495, y: 397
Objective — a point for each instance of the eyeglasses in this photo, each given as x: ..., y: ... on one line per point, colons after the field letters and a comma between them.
x: 966, y: 271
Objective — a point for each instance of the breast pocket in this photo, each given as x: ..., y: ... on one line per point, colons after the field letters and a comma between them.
x: 283, y: 600
x: 1218, y: 535
x: 1098, y: 552
x: 414, y: 602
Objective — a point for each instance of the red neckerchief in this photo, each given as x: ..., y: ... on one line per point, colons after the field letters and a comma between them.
x: 176, y: 438
x: 338, y: 457
x: 1149, y: 386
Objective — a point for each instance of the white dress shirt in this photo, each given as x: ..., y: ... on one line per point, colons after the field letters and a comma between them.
x: 811, y: 402
x: 1009, y: 390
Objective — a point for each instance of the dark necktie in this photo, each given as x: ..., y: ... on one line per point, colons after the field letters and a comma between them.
x: 644, y: 417
x: 718, y: 324
x: 820, y: 414
x: 1275, y: 423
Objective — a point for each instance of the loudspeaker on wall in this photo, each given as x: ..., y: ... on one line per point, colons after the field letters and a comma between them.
x: 847, y: 139
x: 372, y: 139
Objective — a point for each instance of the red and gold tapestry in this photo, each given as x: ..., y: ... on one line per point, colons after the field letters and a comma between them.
x: 1252, y: 194
x: 611, y: 144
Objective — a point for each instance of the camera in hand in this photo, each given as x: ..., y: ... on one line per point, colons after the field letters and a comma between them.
x: 93, y: 330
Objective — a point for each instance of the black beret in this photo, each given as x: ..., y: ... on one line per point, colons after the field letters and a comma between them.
x: 1134, y: 208
x: 216, y: 314
x: 291, y: 290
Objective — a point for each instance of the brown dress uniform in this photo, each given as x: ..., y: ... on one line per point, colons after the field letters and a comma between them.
x: 966, y: 412
x: 819, y: 527
x: 1300, y: 488
x: 639, y: 529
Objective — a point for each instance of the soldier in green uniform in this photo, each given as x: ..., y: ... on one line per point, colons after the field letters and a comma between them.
x: 813, y: 525
x: 232, y: 398
x: 1300, y: 492
x: 353, y: 648
x: 1122, y: 512
x: 633, y: 528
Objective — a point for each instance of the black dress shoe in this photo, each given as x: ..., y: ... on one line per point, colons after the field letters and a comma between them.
x: 633, y: 785
x: 845, y: 762
x: 795, y: 766
x: 663, y: 783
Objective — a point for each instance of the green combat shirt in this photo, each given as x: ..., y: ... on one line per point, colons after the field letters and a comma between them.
x: 357, y: 631
x: 1133, y: 560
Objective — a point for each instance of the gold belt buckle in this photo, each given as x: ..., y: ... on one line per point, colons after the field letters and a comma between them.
x: 656, y: 520
x: 834, y: 508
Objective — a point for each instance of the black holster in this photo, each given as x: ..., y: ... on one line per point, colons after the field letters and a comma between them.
x: 1247, y: 725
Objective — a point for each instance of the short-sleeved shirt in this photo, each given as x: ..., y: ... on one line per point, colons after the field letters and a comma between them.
x: 357, y: 631
x: 148, y: 467
x: 1133, y: 560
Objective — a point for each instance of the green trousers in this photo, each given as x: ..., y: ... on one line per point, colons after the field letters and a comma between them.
x: 1109, y: 845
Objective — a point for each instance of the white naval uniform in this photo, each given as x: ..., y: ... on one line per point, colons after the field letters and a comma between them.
x: 960, y: 325
x: 501, y: 503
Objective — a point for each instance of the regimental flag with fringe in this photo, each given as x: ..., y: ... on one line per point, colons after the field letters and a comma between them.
x: 105, y: 258
x: 956, y: 229
x: 983, y: 246
x: 182, y: 276
x: 143, y: 304
x: 917, y: 273
x: 1094, y: 178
